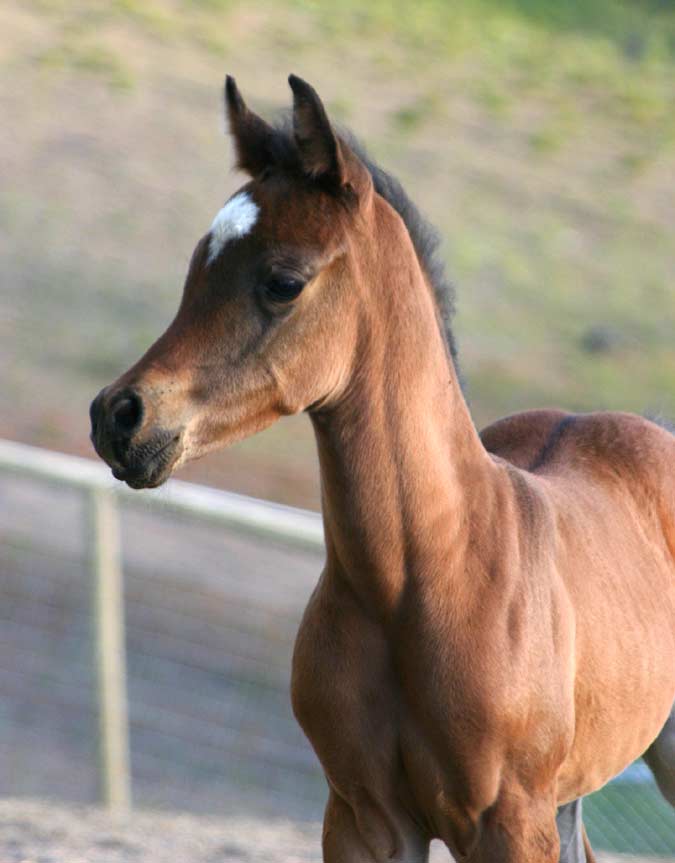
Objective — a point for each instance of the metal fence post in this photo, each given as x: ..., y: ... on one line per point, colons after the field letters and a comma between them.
x: 108, y: 608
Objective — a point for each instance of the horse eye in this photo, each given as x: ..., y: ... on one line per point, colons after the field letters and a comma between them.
x: 283, y: 290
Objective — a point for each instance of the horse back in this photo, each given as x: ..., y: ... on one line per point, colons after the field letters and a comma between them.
x: 609, y: 466
x: 519, y: 438
x: 604, y: 448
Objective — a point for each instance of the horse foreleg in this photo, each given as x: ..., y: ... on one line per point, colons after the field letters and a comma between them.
x: 518, y: 829
x: 361, y: 834
x: 660, y: 758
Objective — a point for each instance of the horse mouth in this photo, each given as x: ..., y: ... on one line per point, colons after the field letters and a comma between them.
x: 145, y: 470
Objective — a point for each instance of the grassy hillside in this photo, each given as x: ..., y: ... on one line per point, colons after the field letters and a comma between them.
x: 539, y: 136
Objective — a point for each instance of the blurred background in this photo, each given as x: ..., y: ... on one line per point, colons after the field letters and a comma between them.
x: 537, y: 135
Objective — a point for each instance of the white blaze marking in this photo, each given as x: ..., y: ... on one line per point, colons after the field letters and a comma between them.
x: 235, y: 220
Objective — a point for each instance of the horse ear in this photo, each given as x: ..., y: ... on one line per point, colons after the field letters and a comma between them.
x: 320, y: 151
x: 252, y: 135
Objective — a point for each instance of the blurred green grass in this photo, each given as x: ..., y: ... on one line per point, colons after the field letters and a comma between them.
x: 539, y: 136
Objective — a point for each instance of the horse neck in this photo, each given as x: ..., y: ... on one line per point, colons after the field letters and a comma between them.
x: 401, y: 463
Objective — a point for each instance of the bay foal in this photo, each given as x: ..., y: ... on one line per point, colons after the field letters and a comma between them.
x: 493, y: 635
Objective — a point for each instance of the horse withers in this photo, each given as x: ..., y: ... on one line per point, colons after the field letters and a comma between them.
x: 493, y: 635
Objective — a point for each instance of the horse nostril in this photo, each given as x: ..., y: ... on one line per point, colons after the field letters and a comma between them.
x: 126, y: 414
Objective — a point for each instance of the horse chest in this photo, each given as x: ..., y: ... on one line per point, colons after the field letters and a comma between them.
x: 343, y: 690
x: 388, y: 726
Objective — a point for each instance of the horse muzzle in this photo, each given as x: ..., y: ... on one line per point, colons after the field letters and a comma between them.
x: 139, y: 453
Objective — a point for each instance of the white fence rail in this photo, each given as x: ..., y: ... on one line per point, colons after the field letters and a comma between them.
x: 274, y: 521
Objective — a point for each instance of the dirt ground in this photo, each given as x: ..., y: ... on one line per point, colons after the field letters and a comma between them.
x: 37, y: 832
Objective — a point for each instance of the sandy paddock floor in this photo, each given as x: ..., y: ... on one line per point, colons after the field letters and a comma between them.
x: 37, y: 832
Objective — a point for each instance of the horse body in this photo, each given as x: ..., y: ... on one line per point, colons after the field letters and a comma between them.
x: 618, y: 565
x: 494, y: 632
x: 610, y: 477
x: 480, y: 688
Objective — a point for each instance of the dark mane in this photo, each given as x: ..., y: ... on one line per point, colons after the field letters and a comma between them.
x: 425, y: 238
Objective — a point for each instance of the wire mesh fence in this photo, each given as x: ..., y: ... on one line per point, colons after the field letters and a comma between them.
x: 211, y: 617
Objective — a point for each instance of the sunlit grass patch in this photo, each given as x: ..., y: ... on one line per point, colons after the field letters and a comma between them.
x: 92, y: 59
